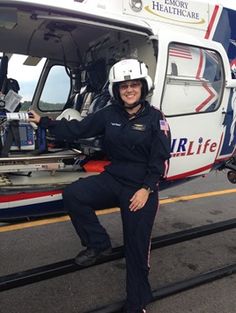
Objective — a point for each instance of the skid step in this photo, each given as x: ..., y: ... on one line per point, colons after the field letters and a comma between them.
x: 45, y: 162
x: 51, y: 155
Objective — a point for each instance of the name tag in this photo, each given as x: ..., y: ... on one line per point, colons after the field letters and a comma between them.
x: 115, y: 124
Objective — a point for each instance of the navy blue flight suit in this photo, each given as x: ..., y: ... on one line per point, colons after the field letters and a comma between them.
x: 139, y: 149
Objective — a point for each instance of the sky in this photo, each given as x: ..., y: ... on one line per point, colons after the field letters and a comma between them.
x: 27, y: 76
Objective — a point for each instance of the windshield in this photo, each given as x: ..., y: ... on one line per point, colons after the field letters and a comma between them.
x: 25, y: 72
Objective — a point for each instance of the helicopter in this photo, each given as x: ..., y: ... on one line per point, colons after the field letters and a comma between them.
x: 190, y: 50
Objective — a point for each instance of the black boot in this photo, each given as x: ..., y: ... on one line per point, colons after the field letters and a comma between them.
x: 89, y: 256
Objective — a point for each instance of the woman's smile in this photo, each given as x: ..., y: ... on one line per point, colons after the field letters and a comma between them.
x: 130, y: 91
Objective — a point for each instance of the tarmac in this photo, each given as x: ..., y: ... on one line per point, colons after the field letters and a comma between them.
x: 203, y: 201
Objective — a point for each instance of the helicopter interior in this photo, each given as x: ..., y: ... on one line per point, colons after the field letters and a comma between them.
x: 84, y: 47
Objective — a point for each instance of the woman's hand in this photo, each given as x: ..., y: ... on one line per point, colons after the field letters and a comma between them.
x: 34, y: 117
x: 139, y: 199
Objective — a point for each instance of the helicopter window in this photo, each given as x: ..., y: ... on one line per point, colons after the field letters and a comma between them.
x: 23, y: 71
x: 194, y: 74
x: 56, y: 90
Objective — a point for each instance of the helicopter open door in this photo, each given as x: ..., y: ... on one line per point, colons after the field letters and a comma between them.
x: 191, y: 89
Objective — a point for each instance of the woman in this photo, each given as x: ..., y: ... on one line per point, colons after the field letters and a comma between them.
x: 137, y: 142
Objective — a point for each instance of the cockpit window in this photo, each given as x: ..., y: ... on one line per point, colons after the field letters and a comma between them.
x: 194, y: 80
x: 25, y: 71
x: 56, y: 90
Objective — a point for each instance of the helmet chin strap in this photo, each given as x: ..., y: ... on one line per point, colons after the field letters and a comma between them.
x: 135, y: 104
x: 130, y: 107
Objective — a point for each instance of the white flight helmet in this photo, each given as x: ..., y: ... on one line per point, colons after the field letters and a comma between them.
x: 129, y: 69
x: 70, y: 114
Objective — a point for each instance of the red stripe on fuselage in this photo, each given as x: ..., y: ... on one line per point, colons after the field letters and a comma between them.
x: 212, y: 21
x: 24, y: 195
x: 190, y: 173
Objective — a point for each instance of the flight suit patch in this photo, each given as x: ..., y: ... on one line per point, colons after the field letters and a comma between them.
x: 139, y: 127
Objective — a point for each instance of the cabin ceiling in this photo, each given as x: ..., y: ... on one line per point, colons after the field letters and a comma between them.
x: 31, y: 34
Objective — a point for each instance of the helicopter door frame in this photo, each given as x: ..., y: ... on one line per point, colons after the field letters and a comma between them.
x: 197, y: 137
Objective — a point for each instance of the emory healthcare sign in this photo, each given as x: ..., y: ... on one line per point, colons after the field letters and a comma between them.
x: 195, y: 14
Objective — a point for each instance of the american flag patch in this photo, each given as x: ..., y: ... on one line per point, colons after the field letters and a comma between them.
x: 164, y: 125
